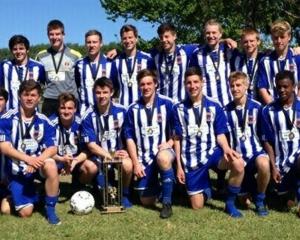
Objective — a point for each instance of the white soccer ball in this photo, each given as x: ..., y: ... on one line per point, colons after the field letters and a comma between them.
x: 82, y: 202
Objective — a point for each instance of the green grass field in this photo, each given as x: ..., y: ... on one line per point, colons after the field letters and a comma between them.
x: 140, y: 223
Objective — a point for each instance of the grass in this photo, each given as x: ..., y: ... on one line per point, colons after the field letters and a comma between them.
x: 140, y: 223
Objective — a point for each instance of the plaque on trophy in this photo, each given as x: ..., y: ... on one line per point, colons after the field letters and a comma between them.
x: 113, y: 188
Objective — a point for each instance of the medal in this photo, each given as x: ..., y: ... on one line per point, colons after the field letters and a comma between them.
x: 129, y: 84
x: 103, y: 139
x: 291, y: 135
x: 199, y: 133
x: 149, y: 131
x: 217, y: 77
x: 243, y: 138
x: 56, y: 78
x: 23, y: 146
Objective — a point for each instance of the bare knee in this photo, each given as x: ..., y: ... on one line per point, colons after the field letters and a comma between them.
x: 6, y: 206
x: 127, y: 165
x: 197, y: 201
x: 26, y: 212
x: 164, y: 159
x: 263, y: 164
x: 50, y: 169
x: 89, y: 167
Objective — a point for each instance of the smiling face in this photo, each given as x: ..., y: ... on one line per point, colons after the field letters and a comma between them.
x: 250, y: 43
x: 20, y: 53
x: 285, y: 89
x: 193, y: 85
x: 281, y: 41
x: 168, y: 41
x: 238, y: 88
x: 129, y: 41
x: 56, y: 38
x: 103, y: 95
x: 213, y: 35
x: 67, y: 110
x: 147, y: 87
x: 29, y: 100
x: 93, y: 45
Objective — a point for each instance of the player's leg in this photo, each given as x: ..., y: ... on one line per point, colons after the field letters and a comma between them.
x: 127, y: 168
x: 49, y: 171
x: 297, y: 176
x: 164, y: 161
x: 236, y: 168
x: 87, y: 171
x: 263, y: 177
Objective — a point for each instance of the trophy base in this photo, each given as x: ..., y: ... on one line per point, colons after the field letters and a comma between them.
x: 112, y: 209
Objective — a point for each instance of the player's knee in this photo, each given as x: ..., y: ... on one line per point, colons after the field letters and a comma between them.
x: 197, y: 205
x: 164, y: 159
x: 5, y: 206
x: 127, y: 165
x: 50, y: 169
x: 263, y: 165
x: 89, y: 167
x: 26, y: 212
x: 238, y: 166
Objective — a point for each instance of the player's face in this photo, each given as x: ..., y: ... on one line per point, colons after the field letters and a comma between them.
x: 56, y: 38
x: 193, y: 85
x: 212, y: 35
x: 285, y: 89
x: 167, y: 41
x: 20, y: 53
x: 250, y: 43
x: 93, y: 45
x: 147, y: 87
x: 129, y: 41
x: 238, y: 88
x: 103, y: 95
x: 2, y: 104
x: 29, y: 99
x: 281, y: 41
x: 67, y: 110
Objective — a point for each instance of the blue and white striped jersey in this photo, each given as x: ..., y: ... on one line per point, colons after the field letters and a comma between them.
x: 11, y: 76
x: 277, y: 130
x: 240, y: 62
x: 85, y: 75
x: 126, y: 72
x: 215, y: 67
x: 270, y: 65
x: 29, y: 137
x: 149, y: 127
x: 104, y: 129
x: 245, y: 128
x: 198, y: 134
x: 68, y: 140
x: 171, y: 69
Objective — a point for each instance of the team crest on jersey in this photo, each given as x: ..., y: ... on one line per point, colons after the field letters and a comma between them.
x: 36, y: 134
x: 67, y: 64
x: 103, y: 72
x: 76, y: 138
x: 159, y: 117
x: 208, y: 116
x: 116, y: 124
x: 250, y: 119
x: 139, y: 67
x: 179, y: 60
x: 30, y: 75
x: 298, y: 123
x: 292, y: 67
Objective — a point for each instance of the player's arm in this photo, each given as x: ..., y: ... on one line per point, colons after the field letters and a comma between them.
x: 98, y: 151
x: 229, y: 153
x: 179, y: 170
x: 274, y: 171
x: 138, y: 169
x: 166, y: 145
x: 266, y: 97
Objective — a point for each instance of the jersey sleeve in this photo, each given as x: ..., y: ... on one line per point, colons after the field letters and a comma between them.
x: 5, y: 130
x: 268, y: 133
x: 129, y: 128
x: 88, y: 131
x: 42, y: 75
x: 1, y: 75
x: 262, y: 79
x: 49, y: 138
x: 220, y: 123
x: 176, y: 125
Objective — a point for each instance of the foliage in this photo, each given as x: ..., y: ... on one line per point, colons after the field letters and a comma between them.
x: 190, y: 15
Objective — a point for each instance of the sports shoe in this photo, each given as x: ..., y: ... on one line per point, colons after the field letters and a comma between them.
x: 233, y: 212
x: 261, y: 211
x: 126, y: 203
x: 166, y: 211
x: 53, y: 219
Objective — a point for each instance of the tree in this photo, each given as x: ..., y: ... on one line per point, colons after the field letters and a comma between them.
x: 190, y: 15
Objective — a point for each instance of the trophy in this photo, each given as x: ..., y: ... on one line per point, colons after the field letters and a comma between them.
x: 112, y: 192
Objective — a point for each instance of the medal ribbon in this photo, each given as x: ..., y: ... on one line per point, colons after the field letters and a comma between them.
x: 290, y: 124
x: 56, y: 67
x: 150, y: 112
x: 242, y: 122
x: 93, y: 70
x: 216, y: 64
x: 128, y: 67
x: 199, y: 116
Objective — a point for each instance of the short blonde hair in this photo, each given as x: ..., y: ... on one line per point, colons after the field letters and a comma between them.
x: 237, y: 75
x: 250, y: 31
x: 280, y: 27
x: 213, y: 22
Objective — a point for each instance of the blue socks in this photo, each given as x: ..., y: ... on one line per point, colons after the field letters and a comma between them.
x: 100, y: 180
x: 50, y: 210
x: 167, y: 178
x: 230, y: 207
x: 125, y: 198
x: 261, y: 210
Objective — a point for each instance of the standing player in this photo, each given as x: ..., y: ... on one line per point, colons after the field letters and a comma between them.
x: 281, y: 134
x: 128, y: 64
x: 248, y: 60
x: 27, y: 141
x: 59, y: 63
x: 200, y: 143
x: 71, y: 154
x: 147, y: 132
x: 102, y: 128
x: 244, y: 116
x: 282, y: 58
x: 90, y: 68
x: 171, y: 62
x: 21, y: 67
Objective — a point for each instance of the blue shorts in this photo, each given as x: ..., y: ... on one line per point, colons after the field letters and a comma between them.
x: 249, y: 184
x: 23, y: 193
x: 197, y: 180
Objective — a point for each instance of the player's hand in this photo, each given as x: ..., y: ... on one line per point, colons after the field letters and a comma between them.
x: 138, y: 170
x: 230, y: 155
x: 121, y: 154
x: 276, y: 175
x: 36, y: 162
x: 73, y: 164
x: 230, y: 43
x: 164, y: 146
x: 111, y: 54
x: 180, y: 175
x: 30, y: 169
x: 296, y: 50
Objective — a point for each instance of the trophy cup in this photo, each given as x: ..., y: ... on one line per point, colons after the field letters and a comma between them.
x: 112, y: 192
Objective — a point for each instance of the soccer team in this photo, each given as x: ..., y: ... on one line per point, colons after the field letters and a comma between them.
x: 171, y: 115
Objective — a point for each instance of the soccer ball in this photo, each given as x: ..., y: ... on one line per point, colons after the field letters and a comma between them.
x: 82, y: 202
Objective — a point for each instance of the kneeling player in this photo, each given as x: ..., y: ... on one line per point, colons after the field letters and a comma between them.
x: 102, y: 127
x: 27, y: 140
x: 200, y: 144
x: 147, y: 132
x: 244, y: 121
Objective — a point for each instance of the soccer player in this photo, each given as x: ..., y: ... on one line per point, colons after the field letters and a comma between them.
x: 27, y: 139
x: 282, y: 58
x: 71, y: 154
x: 59, y: 61
x: 102, y: 133
x: 18, y: 69
x: 3, y: 100
x: 244, y: 118
x: 128, y: 64
x: 90, y: 68
x: 200, y: 143
x: 248, y: 60
x: 214, y: 60
x: 171, y: 62
x: 149, y: 143
x: 281, y: 135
